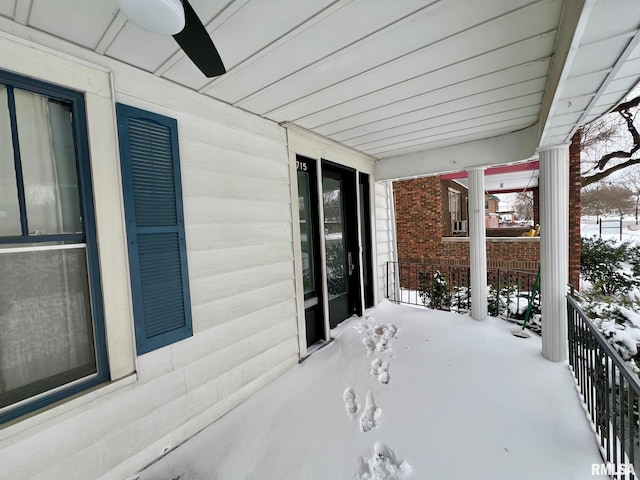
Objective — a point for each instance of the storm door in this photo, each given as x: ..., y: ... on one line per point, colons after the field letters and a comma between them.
x: 341, y: 242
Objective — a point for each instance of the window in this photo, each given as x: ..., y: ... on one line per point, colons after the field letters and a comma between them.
x: 51, y: 326
x: 155, y: 227
x: 454, y: 211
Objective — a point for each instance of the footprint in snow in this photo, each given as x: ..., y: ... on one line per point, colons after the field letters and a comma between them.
x: 349, y: 397
x: 380, y: 370
x: 376, y: 337
x: 370, y: 418
x: 383, y: 465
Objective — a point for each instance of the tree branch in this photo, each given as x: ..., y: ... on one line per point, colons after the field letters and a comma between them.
x: 628, y: 118
x: 596, y: 177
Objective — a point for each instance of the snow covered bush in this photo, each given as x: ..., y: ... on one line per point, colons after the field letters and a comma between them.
x: 434, y: 290
x: 460, y: 299
x: 611, y: 298
x: 602, y: 264
x: 511, y: 302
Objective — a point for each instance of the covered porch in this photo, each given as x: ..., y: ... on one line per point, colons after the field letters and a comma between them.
x: 371, y: 91
x: 465, y: 399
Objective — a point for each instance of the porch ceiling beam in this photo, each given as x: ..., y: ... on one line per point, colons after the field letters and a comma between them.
x: 575, y: 15
x: 517, y: 167
x: 507, y: 148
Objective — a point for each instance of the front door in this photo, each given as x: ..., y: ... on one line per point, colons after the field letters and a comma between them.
x: 341, y: 242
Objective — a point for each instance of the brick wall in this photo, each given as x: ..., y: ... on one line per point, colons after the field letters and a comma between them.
x: 421, y: 215
x: 419, y: 224
x: 422, y: 220
x: 508, y: 231
x: 574, y: 210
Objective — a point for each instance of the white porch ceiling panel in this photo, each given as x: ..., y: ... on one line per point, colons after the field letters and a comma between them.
x: 389, y: 78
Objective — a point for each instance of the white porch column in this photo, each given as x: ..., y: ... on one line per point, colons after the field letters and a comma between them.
x: 477, y: 245
x: 554, y: 249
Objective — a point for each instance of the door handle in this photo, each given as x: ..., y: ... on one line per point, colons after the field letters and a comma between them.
x: 350, y: 261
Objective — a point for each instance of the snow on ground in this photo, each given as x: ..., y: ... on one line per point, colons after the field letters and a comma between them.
x: 590, y: 228
x: 464, y: 399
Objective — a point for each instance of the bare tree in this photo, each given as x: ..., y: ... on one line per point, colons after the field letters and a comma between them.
x: 601, y: 198
x: 523, y: 205
x: 611, y: 143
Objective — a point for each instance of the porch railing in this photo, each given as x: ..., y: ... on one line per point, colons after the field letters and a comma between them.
x: 609, y: 391
x: 508, y: 295
x: 407, y: 282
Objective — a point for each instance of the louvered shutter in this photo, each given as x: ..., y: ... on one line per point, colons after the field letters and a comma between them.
x: 155, y: 227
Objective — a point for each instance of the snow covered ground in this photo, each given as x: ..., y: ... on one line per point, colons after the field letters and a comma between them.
x: 442, y: 397
x: 590, y: 228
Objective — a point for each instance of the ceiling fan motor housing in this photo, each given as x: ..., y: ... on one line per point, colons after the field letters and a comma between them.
x: 165, y: 17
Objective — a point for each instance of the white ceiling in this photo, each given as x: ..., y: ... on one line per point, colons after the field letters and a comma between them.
x: 388, y: 78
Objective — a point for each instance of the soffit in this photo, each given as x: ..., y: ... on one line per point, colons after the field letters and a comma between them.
x: 386, y: 78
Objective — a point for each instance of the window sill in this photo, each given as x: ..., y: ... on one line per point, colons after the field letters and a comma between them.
x: 51, y: 414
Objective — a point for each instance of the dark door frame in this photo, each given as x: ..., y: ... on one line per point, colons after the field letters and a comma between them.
x: 314, y: 301
x: 364, y: 185
x: 352, y: 304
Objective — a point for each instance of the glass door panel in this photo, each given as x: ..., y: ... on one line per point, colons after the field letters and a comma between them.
x: 335, y: 238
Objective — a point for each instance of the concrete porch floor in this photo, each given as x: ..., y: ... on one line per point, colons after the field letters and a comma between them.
x: 466, y: 400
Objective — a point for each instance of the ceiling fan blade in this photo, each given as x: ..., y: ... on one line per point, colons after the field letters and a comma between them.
x: 197, y: 44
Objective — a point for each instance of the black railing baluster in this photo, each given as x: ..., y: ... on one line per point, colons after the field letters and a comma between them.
x: 609, y: 391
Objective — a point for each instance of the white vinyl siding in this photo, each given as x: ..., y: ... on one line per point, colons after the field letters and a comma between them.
x: 238, y: 226
x: 385, y: 234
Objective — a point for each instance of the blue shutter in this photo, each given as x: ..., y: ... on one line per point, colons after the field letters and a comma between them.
x: 155, y: 227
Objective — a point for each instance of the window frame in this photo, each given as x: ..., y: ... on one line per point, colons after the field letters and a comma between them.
x: 88, y: 236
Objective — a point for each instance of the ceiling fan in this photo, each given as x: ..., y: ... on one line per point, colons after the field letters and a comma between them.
x: 177, y: 18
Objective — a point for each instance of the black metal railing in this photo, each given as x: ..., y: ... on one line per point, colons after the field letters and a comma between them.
x: 509, y: 294
x: 415, y: 283
x: 609, y: 391
x: 412, y: 283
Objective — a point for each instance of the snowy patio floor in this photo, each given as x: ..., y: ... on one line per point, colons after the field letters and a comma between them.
x: 465, y: 400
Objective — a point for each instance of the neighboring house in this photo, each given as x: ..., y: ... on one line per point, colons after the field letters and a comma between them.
x: 171, y: 243
x: 492, y: 219
x: 432, y: 225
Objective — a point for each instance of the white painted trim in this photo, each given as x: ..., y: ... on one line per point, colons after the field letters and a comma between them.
x: 508, y: 148
x: 323, y: 252
x: 297, y: 257
x: 555, y: 146
x: 42, y: 248
x: 50, y: 51
x: 575, y: 15
x: 392, y: 229
x: 312, y: 145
